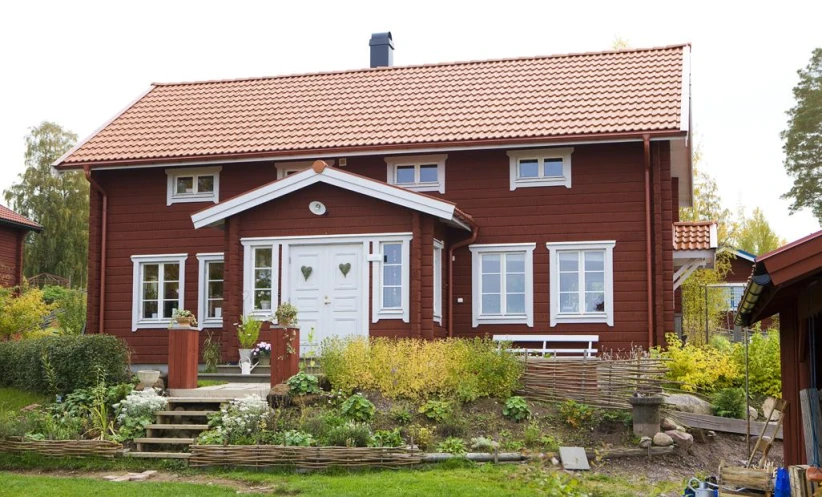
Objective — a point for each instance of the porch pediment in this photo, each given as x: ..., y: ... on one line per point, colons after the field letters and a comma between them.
x: 320, y: 172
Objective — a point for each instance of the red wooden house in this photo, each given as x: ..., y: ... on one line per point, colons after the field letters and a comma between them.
x: 532, y: 195
x: 13, y: 231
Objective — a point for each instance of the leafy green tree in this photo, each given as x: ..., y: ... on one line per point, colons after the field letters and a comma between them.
x: 755, y: 235
x: 707, y: 205
x: 803, y: 139
x: 58, y: 201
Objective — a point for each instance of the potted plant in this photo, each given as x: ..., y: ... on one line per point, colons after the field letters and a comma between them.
x: 182, y: 319
x: 286, y: 315
x: 248, y: 331
x: 262, y: 352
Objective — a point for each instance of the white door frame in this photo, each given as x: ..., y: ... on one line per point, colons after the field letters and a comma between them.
x: 368, y: 240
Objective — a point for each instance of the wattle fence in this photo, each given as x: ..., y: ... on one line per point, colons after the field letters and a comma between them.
x: 308, y: 458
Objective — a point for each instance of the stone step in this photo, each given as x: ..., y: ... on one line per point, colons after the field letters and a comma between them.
x: 159, y: 455
x: 183, y: 414
x: 162, y: 426
x: 236, y: 377
x: 164, y: 441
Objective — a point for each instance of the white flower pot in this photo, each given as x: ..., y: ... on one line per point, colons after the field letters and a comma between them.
x: 245, y: 361
x: 148, y: 377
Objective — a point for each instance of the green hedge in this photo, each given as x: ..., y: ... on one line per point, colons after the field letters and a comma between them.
x: 73, y: 359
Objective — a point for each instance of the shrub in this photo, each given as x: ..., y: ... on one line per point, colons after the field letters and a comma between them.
x: 516, y: 409
x: 401, y: 414
x: 765, y: 376
x: 358, y: 408
x: 71, y: 312
x: 39, y: 424
x: 578, y: 415
x: 452, y: 445
x: 452, y: 424
x: 387, y: 438
x: 248, y: 331
x: 302, y: 384
x: 419, y: 369
x: 532, y: 435
x: 421, y: 436
x: 730, y: 403
x: 700, y: 367
x: 320, y: 426
x: 24, y: 314
x: 212, y: 353
x: 294, y: 438
x: 74, y: 360
x: 136, y: 411
x: 436, y: 410
x: 241, y: 422
x: 350, y: 434
x: 482, y: 444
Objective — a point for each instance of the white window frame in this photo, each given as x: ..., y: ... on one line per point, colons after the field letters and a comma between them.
x: 379, y: 312
x: 515, y: 156
x: 283, y: 168
x: 417, y: 160
x: 557, y: 317
x: 202, y: 294
x: 437, y: 268
x: 137, y: 321
x: 248, y: 279
x: 172, y: 197
x: 477, y: 251
x: 731, y: 287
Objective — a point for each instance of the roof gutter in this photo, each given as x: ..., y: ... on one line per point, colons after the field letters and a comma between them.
x: 103, y: 243
x: 753, y: 291
x: 451, y: 250
x: 646, y: 143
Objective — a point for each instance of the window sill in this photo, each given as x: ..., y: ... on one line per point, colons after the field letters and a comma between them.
x: 151, y: 325
x: 193, y: 198
x: 211, y: 323
x: 526, y: 320
x: 541, y: 182
x: 422, y: 187
x: 391, y: 314
x: 581, y: 318
x: 438, y: 320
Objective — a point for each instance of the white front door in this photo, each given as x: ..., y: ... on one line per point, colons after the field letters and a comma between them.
x: 326, y: 286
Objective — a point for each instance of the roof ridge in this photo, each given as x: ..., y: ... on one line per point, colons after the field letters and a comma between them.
x: 419, y: 66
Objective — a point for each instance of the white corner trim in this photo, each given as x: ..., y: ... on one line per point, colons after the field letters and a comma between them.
x: 332, y: 176
x: 395, y: 161
x: 377, y: 310
x: 137, y: 261
x: 295, y: 166
x: 515, y: 156
x: 248, y: 280
x: 173, y: 173
x: 602, y: 317
x: 685, y: 103
x: 438, y: 280
x: 713, y: 237
x: 477, y: 318
x: 202, y: 293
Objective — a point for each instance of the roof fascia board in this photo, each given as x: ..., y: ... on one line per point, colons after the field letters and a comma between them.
x: 367, y: 153
x: 685, y: 104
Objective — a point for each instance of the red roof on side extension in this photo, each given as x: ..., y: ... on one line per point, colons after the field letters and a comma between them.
x: 9, y: 217
x: 698, y: 235
x: 493, y: 102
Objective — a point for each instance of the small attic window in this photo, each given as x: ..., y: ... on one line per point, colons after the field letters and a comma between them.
x: 193, y: 185
x: 544, y: 167
x: 421, y: 173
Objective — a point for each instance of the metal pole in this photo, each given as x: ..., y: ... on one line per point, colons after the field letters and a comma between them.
x: 706, y: 315
x: 747, y: 393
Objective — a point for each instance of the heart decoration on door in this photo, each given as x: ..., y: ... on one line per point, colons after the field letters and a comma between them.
x: 345, y: 268
x: 306, y: 270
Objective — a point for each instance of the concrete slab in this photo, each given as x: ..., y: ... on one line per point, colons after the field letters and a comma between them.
x: 225, y: 391
x: 574, y: 458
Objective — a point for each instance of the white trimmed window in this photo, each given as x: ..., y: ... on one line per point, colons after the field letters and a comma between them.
x: 438, y: 246
x: 285, y: 169
x: 419, y: 173
x: 542, y: 167
x: 158, y: 289
x: 503, y: 283
x: 391, y: 280
x: 261, y: 269
x: 210, y: 295
x: 582, y: 282
x: 200, y: 184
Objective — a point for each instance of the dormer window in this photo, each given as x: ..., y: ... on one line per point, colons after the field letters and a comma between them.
x: 421, y: 173
x: 543, y: 167
x: 193, y: 185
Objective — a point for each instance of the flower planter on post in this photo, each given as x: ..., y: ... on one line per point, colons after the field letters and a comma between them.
x: 285, y: 354
x: 183, y: 356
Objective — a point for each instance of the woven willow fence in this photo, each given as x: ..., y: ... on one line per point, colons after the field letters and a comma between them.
x: 606, y: 383
x: 62, y: 448
x: 264, y: 456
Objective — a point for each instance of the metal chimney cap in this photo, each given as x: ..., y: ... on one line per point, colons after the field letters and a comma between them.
x: 381, y: 39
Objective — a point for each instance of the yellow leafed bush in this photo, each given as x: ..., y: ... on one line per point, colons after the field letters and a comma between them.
x: 703, y: 368
x: 419, y: 369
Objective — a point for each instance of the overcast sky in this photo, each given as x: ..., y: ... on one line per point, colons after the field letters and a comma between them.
x: 78, y: 63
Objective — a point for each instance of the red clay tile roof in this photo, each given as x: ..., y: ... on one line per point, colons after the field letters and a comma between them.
x: 700, y: 235
x: 622, y: 92
x: 8, y: 216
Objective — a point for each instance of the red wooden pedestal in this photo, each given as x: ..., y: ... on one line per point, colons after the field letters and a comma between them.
x: 284, y: 365
x: 183, y: 357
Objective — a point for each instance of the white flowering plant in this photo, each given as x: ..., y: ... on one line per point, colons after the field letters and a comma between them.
x: 136, y: 411
x: 241, y: 422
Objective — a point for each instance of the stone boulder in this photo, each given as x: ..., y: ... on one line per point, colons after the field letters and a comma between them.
x: 767, y: 407
x: 668, y: 424
x: 752, y: 413
x: 645, y: 442
x: 663, y: 440
x: 683, y: 441
x: 688, y: 403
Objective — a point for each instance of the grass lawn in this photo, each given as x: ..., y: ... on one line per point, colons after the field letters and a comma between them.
x: 12, y: 399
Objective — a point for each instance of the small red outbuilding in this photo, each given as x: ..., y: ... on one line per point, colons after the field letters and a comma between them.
x: 13, y: 231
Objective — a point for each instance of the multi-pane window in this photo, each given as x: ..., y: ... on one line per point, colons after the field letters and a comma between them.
x: 503, y: 283
x: 581, y: 282
x: 438, y: 246
x: 424, y: 173
x: 210, y: 296
x: 735, y: 296
x: 262, y: 274
x: 392, y: 276
x: 544, y: 167
x: 159, y: 283
x: 193, y: 185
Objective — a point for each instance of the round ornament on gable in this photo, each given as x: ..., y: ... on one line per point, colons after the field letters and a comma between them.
x: 317, y: 207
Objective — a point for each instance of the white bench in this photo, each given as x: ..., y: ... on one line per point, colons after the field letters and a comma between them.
x: 588, y: 352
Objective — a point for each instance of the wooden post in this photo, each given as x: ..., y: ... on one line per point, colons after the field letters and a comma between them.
x: 285, y: 354
x: 183, y: 356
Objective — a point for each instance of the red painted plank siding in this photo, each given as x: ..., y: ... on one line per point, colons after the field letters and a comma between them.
x: 11, y: 240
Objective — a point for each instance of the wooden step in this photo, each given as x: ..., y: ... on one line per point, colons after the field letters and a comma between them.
x: 183, y: 414
x: 164, y: 441
x: 162, y: 426
x: 199, y: 400
x: 159, y: 455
